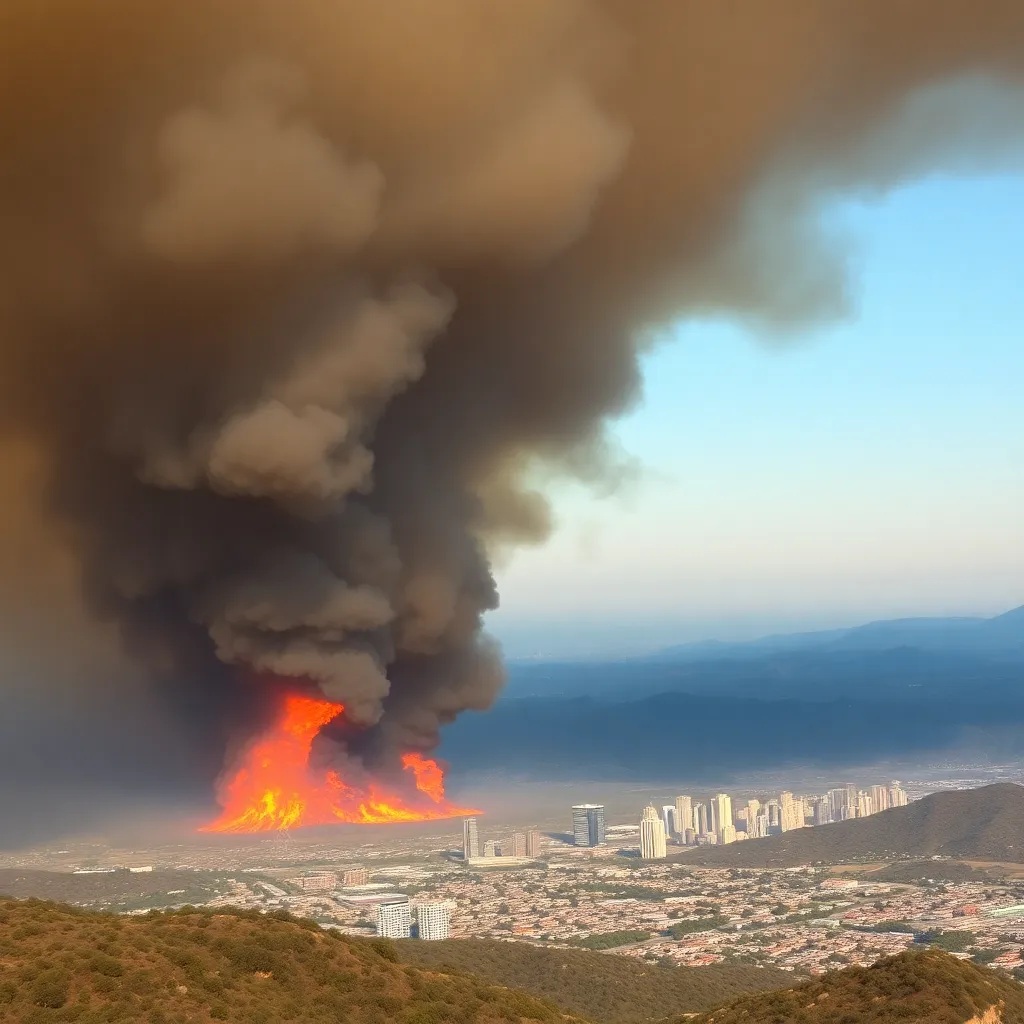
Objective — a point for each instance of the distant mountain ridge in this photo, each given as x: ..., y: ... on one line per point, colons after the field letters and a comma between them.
x: 884, y: 690
x: 588, y: 738
x: 976, y: 824
x: 1002, y: 634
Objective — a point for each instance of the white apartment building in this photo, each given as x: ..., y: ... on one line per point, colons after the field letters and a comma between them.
x: 653, y: 845
x: 684, y: 814
x: 394, y: 921
x: 434, y: 920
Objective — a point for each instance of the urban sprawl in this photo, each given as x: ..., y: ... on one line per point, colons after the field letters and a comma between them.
x: 629, y: 888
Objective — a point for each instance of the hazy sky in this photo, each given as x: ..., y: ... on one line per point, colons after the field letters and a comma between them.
x: 867, y: 469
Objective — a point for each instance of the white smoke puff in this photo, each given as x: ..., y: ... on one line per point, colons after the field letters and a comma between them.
x: 304, y: 443
x: 369, y: 352
x: 275, y: 451
x: 248, y: 180
x: 523, y: 191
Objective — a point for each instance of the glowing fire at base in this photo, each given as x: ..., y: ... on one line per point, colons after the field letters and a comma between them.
x: 274, y: 787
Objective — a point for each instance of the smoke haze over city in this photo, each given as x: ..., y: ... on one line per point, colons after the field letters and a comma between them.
x: 304, y: 307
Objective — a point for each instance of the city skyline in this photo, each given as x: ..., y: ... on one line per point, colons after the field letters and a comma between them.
x: 715, y: 821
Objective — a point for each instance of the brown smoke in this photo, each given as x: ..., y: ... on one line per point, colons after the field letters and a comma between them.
x: 294, y: 295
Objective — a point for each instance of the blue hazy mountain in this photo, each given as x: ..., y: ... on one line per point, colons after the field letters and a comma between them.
x: 886, y: 689
x: 1002, y: 635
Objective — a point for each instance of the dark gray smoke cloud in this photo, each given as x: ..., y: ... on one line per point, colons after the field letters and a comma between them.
x: 294, y: 296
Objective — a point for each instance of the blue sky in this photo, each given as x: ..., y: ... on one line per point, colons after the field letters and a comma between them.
x: 866, y: 469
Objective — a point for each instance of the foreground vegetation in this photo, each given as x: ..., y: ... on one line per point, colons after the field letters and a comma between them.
x: 62, y: 964
x: 117, y: 890
x: 603, y: 987
x: 928, y: 987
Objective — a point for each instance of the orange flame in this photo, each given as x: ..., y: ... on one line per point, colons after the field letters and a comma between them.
x: 429, y: 777
x: 274, y: 788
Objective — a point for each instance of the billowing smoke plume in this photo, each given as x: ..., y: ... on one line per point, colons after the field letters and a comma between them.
x: 295, y: 295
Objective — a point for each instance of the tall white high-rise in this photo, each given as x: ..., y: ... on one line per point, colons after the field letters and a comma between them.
x: 822, y: 811
x: 897, y: 795
x: 434, y: 921
x: 753, y: 810
x: 701, y: 820
x: 879, y: 798
x: 791, y: 812
x: 652, y: 835
x: 470, y: 839
x: 837, y: 803
x: 684, y: 814
x: 668, y: 819
x: 722, y: 805
x: 851, y: 800
x: 394, y: 920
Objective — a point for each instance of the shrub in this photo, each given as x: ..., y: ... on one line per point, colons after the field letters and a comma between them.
x: 386, y: 949
x: 50, y: 990
x: 105, y: 965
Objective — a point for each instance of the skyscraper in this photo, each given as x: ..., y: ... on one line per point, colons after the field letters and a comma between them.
x: 434, y: 921
x: 897, y: 795
x: 851, y: 800
x: 519, y: 844
x: 837, y: 803
x: 701, y: 820
x: 684, y: 814
x: 879, y: 798
x: 722, y: 805
x: 588, y: 824
x: 470, y: 839
x: 753, y: 810
x: 823, y: 811
x: 668, y: 819
x: 652, y: 835
x: 533, y: 843
x: 791, y: 812
x: 394, y: 920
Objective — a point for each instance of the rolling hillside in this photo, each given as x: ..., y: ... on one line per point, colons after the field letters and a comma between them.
x: 607, y: 989
x: 981, y: 824
x: 60, y: 964
x: 929, y: 986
